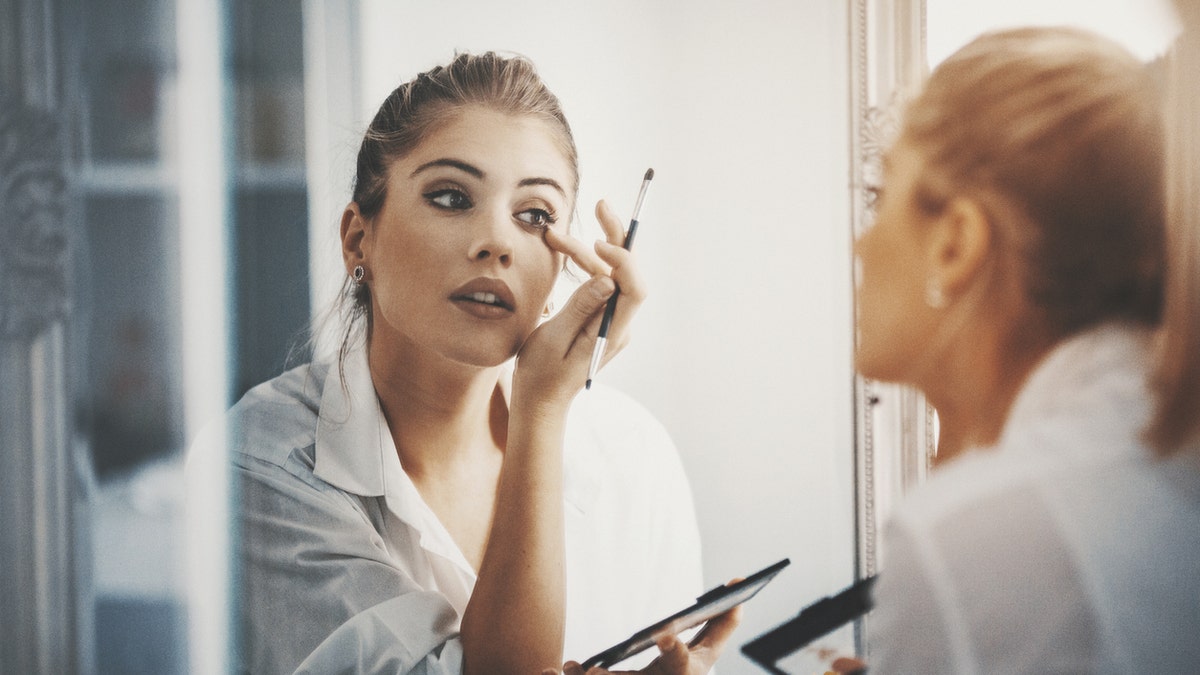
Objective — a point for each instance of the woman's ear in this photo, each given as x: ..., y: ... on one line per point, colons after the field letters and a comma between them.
x: 960, y: 246
x: 354, y: 237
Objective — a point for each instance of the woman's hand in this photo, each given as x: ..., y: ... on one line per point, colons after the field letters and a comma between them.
x: 554, y: 359
x: 676, y: 658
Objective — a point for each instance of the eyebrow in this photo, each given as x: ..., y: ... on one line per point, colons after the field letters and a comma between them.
x: 454, y: 163
x: 543, y: 181
x: 479, y: 173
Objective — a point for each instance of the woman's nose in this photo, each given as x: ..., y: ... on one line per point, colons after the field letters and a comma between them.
x: 493, y: 238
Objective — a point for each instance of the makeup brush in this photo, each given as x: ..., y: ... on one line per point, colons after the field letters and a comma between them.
x: 602, y: 339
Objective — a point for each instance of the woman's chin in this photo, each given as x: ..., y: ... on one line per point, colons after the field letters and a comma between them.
x: 876, y: 366
x: 484, y: 353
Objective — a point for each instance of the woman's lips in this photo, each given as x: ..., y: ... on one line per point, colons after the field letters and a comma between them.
x: 485, y: 298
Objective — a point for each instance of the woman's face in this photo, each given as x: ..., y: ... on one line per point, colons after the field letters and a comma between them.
x: 456, y: 259
x: 894, y: 321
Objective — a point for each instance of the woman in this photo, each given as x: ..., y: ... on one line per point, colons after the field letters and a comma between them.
x: 1015, y: 276
x: 415, y: 505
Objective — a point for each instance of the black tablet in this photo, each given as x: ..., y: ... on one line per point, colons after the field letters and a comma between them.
x: 712, y: 603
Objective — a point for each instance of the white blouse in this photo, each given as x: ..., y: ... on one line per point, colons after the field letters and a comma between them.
x: 346, y: 569
x: 1066, y: 548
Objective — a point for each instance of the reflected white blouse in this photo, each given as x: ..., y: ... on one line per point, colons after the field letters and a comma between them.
x: 1066, y: 548
x: 346, y: 569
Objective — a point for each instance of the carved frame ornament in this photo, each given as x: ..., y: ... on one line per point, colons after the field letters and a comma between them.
x: 33, y: 279
x: 895, y: 427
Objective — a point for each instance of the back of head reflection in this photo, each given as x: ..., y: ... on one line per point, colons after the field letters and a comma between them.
x: 1015, y: 276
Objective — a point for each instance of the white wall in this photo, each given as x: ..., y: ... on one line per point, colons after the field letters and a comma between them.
x: 1145, y: 27
x: 744, y: 348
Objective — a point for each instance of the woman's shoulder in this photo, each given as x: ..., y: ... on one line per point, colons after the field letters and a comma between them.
x: 279, y: 415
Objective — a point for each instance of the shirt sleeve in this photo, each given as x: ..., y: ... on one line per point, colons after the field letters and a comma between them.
x: 318, y: 594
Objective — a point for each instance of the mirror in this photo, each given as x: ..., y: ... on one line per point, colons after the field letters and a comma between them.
x: 743, y: 349
x: 895, y: 428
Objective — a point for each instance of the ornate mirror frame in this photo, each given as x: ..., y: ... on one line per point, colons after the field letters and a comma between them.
x: 895, y: 428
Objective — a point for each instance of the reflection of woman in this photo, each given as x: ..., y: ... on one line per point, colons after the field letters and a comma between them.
x: 1014, y: 275
x: 416, y: 506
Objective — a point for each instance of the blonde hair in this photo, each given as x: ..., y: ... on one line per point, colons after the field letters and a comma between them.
x: 1057, y: 133
x: 1176, y: 423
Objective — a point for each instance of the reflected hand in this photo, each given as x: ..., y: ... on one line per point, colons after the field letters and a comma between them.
x: 847, y: 665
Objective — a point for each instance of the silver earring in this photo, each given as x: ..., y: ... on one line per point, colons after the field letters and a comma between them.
x: 935, y: 297
x: 358, y: 274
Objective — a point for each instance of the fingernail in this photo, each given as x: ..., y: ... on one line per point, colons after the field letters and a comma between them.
x: 665, y: 643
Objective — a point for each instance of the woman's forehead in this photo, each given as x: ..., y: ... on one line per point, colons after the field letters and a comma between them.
x: 498, y: 144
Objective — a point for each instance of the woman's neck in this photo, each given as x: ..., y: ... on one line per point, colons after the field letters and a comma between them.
x: 975, y: 389
x: 440, y: 412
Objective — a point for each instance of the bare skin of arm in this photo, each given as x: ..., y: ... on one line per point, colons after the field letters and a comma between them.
x: 514, y: 620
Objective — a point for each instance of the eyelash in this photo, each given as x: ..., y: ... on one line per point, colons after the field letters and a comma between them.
x: 546, y: 216
x: 435, y: 195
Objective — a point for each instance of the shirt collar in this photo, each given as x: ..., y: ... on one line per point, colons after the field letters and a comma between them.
x: 349, y: 447
x: 1098, y: 373
x: 353, y: 440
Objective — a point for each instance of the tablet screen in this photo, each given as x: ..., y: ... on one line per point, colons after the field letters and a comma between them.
x: 712, y: 603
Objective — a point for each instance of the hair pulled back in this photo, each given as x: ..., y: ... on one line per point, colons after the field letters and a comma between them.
x: 508, y: 85
x: 1058, y: 133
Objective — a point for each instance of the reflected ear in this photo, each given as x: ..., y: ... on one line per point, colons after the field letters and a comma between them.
x: 354, y: 236
x: 961, y: 245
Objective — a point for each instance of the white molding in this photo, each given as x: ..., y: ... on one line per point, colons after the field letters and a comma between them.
x: 203, y: 173
x: 894, y: 425
x: 333, y: 130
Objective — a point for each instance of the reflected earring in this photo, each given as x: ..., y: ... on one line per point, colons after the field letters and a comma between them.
x: 935, y: 297
x: 358, y: 274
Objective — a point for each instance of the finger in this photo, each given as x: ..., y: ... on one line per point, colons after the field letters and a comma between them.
x: 848, y: 665
x: 611, y: 223
x: 624, y: 270
x: 633, y: 294
x: 580, y: 253
x: 673, y: 654
x: 719, y: 628
x: 576, y: 325
x: 587, y: 301
x: 710, y: 642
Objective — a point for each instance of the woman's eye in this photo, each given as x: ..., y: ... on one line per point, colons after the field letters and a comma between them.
x: 449, y: 199
x: 538, y: 218
x: 874, y: 193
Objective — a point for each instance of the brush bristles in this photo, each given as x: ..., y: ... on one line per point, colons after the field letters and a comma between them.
x: 649, y: 174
